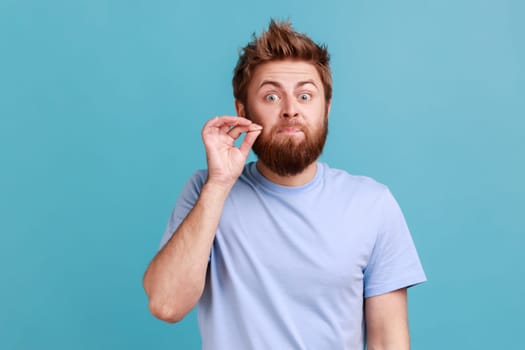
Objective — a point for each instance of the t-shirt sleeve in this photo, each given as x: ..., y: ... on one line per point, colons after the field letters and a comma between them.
x: 187, y: 199
x: 394, y: 262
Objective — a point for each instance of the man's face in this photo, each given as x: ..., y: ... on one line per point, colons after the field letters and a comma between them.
x: 287, y: 98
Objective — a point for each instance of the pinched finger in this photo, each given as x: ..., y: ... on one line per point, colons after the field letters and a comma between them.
x: 236, y: 131
x: 229, y: 121
x: 248, y: 141
x: 223, y: 124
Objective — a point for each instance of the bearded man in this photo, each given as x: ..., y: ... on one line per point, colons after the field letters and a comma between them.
x: 285, y: 252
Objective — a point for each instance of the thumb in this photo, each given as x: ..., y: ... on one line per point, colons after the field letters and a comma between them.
x: 248, y: 141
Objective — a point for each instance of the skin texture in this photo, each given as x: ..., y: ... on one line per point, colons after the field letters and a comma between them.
x: 286, y: 101
x: 283, y: 94
x: 387, y: 321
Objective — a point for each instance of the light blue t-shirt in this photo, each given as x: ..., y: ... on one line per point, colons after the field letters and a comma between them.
x: 290, y: 266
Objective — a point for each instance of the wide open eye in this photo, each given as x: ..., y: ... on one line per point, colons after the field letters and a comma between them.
x: 272, y: 97
x: 305, y: 97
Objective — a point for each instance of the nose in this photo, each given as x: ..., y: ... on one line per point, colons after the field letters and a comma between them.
x: 289, y: 109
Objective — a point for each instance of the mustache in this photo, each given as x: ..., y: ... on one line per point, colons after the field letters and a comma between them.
x: 291, y: 124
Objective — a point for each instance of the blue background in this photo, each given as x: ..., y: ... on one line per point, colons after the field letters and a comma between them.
x: 101, y: 106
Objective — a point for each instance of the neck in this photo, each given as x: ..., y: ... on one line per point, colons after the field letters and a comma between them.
x: 292, y: 180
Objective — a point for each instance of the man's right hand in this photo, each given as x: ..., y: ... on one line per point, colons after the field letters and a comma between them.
x: 225, y: 161
x: 175, y: 279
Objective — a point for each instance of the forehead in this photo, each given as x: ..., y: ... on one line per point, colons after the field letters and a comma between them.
x: 285, y: 72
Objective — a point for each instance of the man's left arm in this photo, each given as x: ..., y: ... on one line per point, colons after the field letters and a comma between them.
x: 386, y: 320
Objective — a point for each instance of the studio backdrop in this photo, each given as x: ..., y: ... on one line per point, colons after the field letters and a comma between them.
x: 101, y: 107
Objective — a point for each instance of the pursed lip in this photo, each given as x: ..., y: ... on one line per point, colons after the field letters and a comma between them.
x: 289, y: 130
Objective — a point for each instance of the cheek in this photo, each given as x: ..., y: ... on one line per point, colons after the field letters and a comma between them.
x: 263, y: 115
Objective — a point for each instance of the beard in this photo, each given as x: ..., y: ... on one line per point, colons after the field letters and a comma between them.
x: 288, y: 156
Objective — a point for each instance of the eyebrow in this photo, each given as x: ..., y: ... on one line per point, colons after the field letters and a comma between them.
x: 279, y: 85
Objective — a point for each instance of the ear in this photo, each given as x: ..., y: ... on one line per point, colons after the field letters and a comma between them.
x: 239, y: 107
x: 328, y: 107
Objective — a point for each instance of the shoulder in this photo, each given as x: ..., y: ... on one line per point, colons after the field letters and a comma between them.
x: 193, y: 185
x: 342, y: 180
x: 199, y: 176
